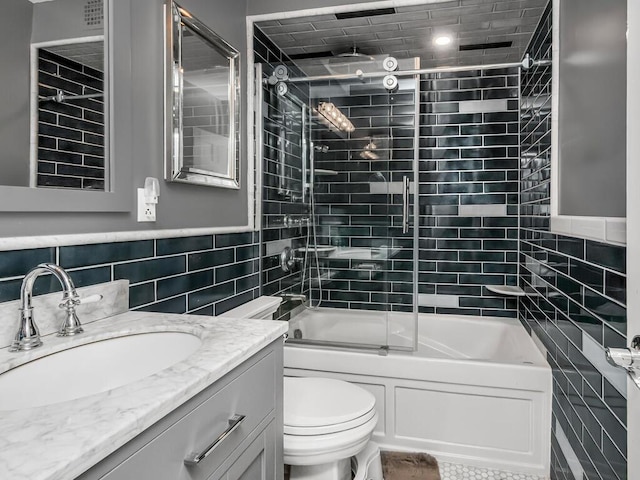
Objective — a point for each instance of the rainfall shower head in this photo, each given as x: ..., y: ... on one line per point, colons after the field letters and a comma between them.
x: 353, y: 54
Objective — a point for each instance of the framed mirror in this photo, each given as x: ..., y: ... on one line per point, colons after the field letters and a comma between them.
x: 202, y: 115
x: 59, y: 116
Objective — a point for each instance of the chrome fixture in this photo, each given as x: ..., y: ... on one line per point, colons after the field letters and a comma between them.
x: 390, y: 64
x: 368, y: 152
x: 278, y: 78
x: 627, y: 358
x: 321, y: 148
x: 195, y: 458
x: 28, y: 336
x: 282, y: 89
x: 527, y: 63
x: 61, y: 97
x: 335, y: 117
x: 292, y: 222
x: 280, y: 74
x: 293, y: 297
x: 288, y: 259
x: 390, y: 82
x: 406, y: 186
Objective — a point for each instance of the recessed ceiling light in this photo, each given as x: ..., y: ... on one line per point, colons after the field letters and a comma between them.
x: 442, y: 40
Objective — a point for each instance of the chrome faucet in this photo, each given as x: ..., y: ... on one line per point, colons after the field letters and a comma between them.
x: 28, y: 336
x: 293, y: 297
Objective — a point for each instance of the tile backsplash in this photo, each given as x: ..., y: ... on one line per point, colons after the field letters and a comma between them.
x: 206, y: 275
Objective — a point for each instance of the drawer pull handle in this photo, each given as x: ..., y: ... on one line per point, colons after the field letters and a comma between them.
x: 196, y: 458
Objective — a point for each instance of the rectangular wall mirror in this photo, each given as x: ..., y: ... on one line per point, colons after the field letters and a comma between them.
x: 202, y: 115
x: 57, y: 124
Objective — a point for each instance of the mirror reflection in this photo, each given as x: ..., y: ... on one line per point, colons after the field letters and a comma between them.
x: 53, y: 129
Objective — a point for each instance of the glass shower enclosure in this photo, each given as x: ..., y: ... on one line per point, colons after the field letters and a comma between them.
x: 340, y: 151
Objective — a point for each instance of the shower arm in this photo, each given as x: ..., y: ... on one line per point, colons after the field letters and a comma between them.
x: 526, y: 64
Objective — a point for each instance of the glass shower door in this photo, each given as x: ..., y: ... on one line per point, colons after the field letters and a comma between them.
x: 362, y: 166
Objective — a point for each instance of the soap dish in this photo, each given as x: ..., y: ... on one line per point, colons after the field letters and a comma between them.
x: 506, y: 290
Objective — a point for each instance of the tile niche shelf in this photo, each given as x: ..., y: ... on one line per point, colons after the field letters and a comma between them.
x: 509, y: 290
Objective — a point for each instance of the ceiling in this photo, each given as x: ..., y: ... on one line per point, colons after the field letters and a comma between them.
x: 482, y: 28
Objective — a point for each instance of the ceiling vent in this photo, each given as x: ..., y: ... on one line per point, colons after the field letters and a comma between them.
x: 485, y: 46
x: 299, y: 56
x: 93, y: 13
x: 365, y: 13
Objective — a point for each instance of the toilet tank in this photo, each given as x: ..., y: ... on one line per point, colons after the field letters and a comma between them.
x: 260, y: 308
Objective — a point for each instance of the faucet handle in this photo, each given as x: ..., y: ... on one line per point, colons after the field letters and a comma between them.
x: 71, y: 324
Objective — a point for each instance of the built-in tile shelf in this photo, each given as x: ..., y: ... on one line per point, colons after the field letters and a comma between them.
x: 510, y: 290
x: 322, y: 171
x: 322, y: 250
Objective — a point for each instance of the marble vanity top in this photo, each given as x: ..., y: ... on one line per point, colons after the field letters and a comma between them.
x: 60, y: 441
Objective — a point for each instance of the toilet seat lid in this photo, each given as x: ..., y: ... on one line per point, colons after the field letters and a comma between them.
x: 310, y: 403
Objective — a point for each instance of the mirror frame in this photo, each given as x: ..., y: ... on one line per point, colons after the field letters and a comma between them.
x: 175, y: 170
x: 119, y: 119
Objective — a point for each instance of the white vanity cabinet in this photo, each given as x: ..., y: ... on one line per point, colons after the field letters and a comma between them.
x: 252, y: 450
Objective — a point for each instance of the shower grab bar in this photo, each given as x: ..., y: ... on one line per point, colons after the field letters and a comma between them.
x: 405, y: 203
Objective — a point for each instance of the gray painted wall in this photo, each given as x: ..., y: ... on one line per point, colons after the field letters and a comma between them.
x: 62, y: 19
x: 180, y: 206
x: 592, y: 107
x: 15, y: 35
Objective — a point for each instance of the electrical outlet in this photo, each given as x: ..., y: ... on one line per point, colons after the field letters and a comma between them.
x: 146, y: 211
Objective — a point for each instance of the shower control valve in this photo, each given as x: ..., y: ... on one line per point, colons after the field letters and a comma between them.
x: 627, y: 358
x: 288, y: 260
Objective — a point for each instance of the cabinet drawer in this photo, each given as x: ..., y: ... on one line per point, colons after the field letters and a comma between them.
x: 252, y: 394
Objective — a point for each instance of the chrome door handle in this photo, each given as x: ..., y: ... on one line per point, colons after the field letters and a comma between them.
x: 405, y: 203
x: 195, y: 458
x: 627, y: 358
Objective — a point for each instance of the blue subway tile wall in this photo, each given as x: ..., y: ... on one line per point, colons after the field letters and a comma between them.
x: 283, y: 185
x: 468, y: 191
x: 206, y: 274
x: 358, y: 196
x: 575, y: 302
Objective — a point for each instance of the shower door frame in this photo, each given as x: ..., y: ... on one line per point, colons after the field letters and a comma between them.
x: 413, y: 226
x: 255, y: 149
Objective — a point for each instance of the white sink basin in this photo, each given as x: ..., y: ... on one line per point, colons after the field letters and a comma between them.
x: 93, y: 368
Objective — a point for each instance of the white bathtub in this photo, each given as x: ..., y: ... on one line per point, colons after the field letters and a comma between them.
x: 477, y: 391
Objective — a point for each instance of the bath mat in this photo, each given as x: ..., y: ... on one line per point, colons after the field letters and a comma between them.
x: 403, y: 466
x: 409, y: 466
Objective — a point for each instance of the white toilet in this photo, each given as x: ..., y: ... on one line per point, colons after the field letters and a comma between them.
x: 326, y: 421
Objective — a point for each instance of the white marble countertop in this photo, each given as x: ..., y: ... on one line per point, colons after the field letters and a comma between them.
x: 62, y: 440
